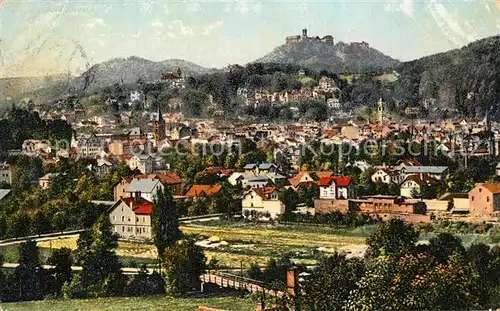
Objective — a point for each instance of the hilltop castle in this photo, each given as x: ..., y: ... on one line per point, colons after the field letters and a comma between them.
x: 328, y: 39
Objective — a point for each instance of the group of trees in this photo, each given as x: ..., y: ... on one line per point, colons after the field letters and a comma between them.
x: 397, y: 273
x: 21, y: 124
x: 349, y: 219
x: 181, y: 260
x: 65, y: 205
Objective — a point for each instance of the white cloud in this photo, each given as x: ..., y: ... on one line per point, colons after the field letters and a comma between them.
x: 156, y: 24
x: 407, y: 7
x: 450, y: 25
x: 244, y: 7
x: 95, y: 22
x: 210, y: 27
x: 178, y: 27
x: 193, y: 7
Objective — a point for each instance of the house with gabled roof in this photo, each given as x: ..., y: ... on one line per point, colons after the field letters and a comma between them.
x: 415, y: 184
x: 131, y: 218
x: 202, y: 191
x: 146, y: 188
x: 308, y: 177
x: 334, y: 187
x: 262, y: 203
x: 484, y: 199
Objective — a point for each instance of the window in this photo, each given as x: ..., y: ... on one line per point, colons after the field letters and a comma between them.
x: 480, y: 189
x: 487, y: 199
x: 123, y: 218
x: 123, y: 229
x: 114, y: 218
x: 143, y: 219
x: 472, y: 198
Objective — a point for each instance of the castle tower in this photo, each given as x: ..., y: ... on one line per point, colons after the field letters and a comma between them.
x: 380, y: 110
x: 159, y: 127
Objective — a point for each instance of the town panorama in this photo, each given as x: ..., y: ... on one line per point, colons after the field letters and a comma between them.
x: 249, y: 155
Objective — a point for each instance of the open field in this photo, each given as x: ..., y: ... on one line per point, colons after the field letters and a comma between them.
x: 235, y: 244
x: 149, y: 303
x: 255, y: 243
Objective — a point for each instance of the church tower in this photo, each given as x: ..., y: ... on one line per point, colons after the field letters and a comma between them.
x: 159, y: 127
x: 380, y: 110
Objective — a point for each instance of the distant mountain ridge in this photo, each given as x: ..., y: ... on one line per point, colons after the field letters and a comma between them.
x: 130, y: 70
x: 356, y: 57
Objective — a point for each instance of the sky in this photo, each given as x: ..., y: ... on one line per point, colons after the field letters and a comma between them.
x: 46, y: 37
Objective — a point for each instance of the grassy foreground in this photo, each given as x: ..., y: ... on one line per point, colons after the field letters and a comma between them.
x: 148, y: 303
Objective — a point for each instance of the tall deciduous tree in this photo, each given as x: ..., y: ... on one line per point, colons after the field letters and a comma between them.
x: 184, y: 263
x: 101, y: 269
x: 62, y: 261
x: 165, y: 221
x: 28, y: 273
x: 393, y: 238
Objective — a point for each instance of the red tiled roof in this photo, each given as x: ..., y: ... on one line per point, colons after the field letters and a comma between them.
x: 340, y: 181
x: 203, y: 190
x: 140, y: 206
x: 493, y: 187
x: 166, y: 178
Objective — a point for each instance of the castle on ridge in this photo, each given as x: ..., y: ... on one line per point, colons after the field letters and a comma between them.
x: 328, y: 39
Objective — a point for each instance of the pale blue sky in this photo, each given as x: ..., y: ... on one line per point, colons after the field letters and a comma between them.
x: 41, y: 37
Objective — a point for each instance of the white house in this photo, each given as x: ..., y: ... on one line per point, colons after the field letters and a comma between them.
x: 414, y: 184
x: 334, y: 187
x: 382, y: 176
x: 143, y: 163
x: 144, y: 188
x: 262, y: 203
x: 131, y: 218
x: 251, y: 180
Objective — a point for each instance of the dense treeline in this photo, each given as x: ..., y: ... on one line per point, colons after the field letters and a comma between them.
x: 466, y: 79
x: 397, y: 273
x: 65, y: 205
x: 20, y: 125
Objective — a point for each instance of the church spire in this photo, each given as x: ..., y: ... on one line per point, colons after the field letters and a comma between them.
x: 159, y: 117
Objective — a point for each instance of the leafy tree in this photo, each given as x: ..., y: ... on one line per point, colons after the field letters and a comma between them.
x: 276, y: 270
x: 194, y: 103
x: 290, y: 198
x: 414, y: 282
x: 101, y: 269
x: 255, y: 272
x: 144, y: 284
x: 392, y: 238
x: 183, y: 263
x: 28, y: 273
x: 165, y: 221
x: 330, y: 283
x: 487, y: 264
x: 62, y: 261
x: 444, y: 245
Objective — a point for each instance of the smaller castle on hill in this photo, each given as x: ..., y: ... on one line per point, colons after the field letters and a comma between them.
x: 328, y: 39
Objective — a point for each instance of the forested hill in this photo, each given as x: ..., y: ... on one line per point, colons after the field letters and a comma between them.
x: 465, y: 79
x: 129, y: 70
x: 339, y: 58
